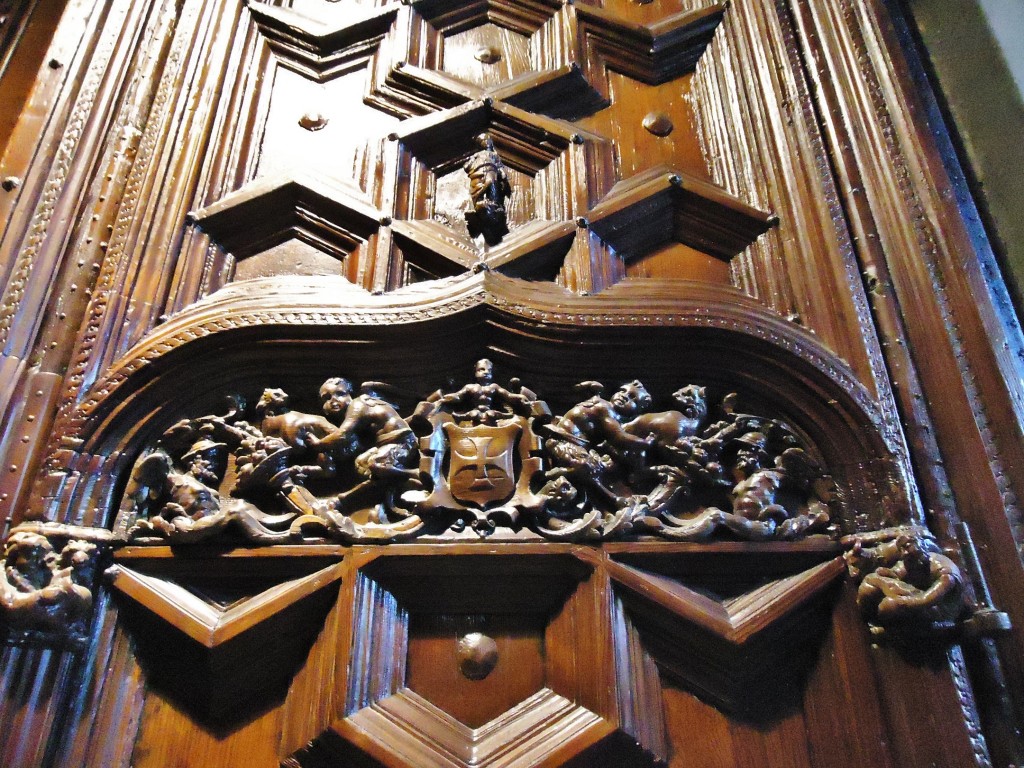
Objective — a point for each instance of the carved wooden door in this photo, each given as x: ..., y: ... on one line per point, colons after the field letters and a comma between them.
x: 498, y: 383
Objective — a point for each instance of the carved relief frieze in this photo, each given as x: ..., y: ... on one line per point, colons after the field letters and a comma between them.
x: 480, y: 460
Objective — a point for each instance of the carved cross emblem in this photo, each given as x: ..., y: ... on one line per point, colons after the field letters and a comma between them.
x: 481, y: 470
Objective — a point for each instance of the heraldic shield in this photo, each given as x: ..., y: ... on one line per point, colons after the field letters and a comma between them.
x: 479, y: 454
x: 481, y: 467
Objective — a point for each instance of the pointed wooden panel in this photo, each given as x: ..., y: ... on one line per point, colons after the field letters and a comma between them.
x: 224, y: 640
x: 654, y: 52
x: 662, y: 206
x: 194, y: 610
x: 334, y: 216
x: 743, y: 641
x: 318, y: 49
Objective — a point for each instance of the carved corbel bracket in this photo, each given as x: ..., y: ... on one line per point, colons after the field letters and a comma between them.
x: 47, y: 581
x: 907, y: 588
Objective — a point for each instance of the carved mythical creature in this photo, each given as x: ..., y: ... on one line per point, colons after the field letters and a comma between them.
x: 756, y: 459
x: 670, y: 431
x: 488, y: 189
x: 46, y: 595
x: 906, y: 583
x: 277, y: 419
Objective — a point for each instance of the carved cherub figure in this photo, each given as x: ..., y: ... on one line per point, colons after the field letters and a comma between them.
x: 41, y: 591
x: 596, y: 420
x: 923, y: 587
x: 488, y: 189
x: 372, y: 431
x: 590, y: 439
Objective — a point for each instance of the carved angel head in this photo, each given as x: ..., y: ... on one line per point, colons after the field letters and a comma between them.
x: 631, y: 399
x: 336, y: 396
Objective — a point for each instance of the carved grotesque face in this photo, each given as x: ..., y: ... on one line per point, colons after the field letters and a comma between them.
x: 691, y: 401
x: 751, y: 455
x: 80, y: 557
x: 272, y: 401
x: 484, y: 371
x: 911, y: 551
x: 32, y: 556
x: 630, y: 399
x: 559, y: 492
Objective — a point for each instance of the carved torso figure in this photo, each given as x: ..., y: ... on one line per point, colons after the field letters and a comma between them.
x: 488, y: 189
x: 484, y: 401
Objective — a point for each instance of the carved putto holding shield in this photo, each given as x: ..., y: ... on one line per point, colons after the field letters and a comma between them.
x: 480, y: 460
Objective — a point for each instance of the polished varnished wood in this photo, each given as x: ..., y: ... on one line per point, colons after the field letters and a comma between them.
x: 214, y: 199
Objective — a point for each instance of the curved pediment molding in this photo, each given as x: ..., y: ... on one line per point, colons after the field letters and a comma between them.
x: 296, y: 332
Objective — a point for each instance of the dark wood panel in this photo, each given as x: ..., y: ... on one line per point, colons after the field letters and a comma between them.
x: 214, y: 197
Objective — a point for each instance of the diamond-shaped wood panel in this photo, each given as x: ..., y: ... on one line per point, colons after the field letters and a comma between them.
x: 743, y: 637
x: 204, y: 628
x: 590, y: 673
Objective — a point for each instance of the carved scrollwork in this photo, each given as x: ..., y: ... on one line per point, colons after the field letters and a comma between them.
x: 46, y: 584
x: 480, y: 458
x: 905, y: 584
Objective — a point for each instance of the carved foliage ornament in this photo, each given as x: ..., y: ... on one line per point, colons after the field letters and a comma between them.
x: 480, y: 460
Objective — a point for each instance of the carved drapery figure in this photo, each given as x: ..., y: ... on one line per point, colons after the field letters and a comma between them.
x: 46, y: 583
x: 906, y: 584
x: 489, y: 187
x: 484, y: 458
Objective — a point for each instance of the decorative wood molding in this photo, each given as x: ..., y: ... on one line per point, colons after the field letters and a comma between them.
x: 738, y: 638
x: 617, y: 159
x: 319, y: 50
x: 408, y: 729
x: 583, y: 682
